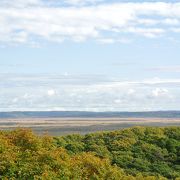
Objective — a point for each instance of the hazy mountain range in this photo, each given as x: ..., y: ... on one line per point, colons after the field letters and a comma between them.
x: 60, y: 114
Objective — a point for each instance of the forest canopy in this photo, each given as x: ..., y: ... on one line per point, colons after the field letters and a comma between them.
x: 133, y: 153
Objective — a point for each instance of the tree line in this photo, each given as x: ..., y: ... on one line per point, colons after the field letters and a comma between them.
x: 148, y: 153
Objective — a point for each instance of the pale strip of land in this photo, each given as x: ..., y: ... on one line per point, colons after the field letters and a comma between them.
x: 57, y: 126
x: 45, y: 122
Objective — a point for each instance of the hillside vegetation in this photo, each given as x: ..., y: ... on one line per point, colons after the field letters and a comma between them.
x: 136, y: 153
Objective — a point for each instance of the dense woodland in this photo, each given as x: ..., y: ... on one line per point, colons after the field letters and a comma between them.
x: 136, y: 153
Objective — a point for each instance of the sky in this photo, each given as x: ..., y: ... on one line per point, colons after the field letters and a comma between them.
x: 89, y: 55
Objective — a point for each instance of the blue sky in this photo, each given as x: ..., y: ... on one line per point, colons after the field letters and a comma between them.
x: 89, y: 55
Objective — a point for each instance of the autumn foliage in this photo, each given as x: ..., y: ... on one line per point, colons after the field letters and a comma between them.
x: 130, y: 154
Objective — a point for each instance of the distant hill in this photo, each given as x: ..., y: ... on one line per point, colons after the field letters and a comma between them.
x: 84, y: 114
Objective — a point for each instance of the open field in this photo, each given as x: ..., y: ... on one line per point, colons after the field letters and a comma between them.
x: 60, y: 126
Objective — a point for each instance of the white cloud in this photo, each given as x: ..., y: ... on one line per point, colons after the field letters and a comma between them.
x: 39, y: 21
x: 82, y: 2
x: 51, y: 92
x: 15, y: 100
x: 20, y: 3
x: 131, y: 91
x: 160, y: 92
x: 114, y: 40
x: 172, y: 21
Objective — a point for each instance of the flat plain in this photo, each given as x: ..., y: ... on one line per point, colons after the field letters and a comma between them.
x: 61, y: 126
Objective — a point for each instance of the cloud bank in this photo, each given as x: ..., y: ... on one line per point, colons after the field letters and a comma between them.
x: 36, y: 21
x: 76, y: 93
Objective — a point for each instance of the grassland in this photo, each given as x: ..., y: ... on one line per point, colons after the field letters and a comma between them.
x: 60, y: 126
